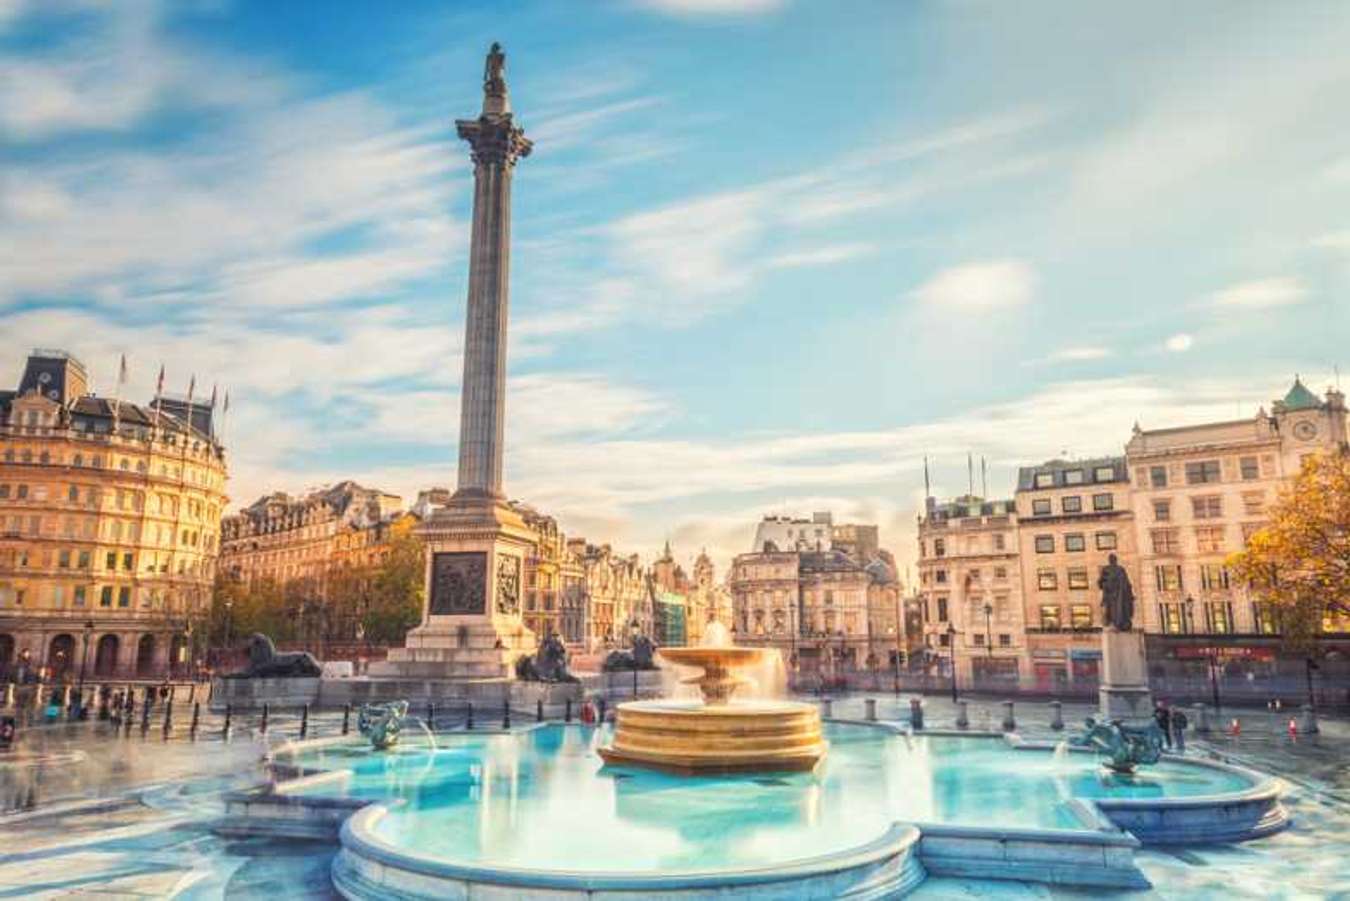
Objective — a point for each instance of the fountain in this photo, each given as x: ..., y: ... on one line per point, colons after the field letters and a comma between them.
x: 718, y: 734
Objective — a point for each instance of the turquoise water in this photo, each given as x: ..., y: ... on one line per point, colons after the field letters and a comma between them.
x: 544, y: 800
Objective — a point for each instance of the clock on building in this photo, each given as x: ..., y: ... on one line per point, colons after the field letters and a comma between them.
x: 1305, y: 430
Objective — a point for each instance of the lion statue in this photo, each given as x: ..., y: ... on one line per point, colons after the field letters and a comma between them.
x: 265, y: 663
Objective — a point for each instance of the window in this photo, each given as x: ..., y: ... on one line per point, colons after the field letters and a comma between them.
x: 1075, y: 542
x: 999, y: 541
x: 1209, y: 539
x: 1040, y: 506
x: 1073, y: 477
x: 1000, y: 572
x: 1078, y: 577
x: 111, y: 562
x: 128, y: 562
x: 942, y: 576
x: 73, y: 494
x: 1207, y: 506
x: 1102, y: 502
x: 1157, y: 476
x: 1253, y: 502
x: 1046, y: 580
x: 1071, y: 504
x: 1080, y: 616
x: 1004, y: 640
x: 1106, y: 541
x: 1050, y: 617
x: 124, y: 597
x: 105, y: 597
x: 21, y: 492
x: 63, y: 558
x: 1250, y: 468
x: 1213, y: 576
x: 84, y: 561
x: 1202, y: 472
x: 1168, y: 576
x: 80, y: 595
x: 1170, y: 615
x: 4, y: 491
x: 1263, y: 615
x: 1045, y: 480
x: 979, y: 639
x: 944, y: 640
x: 1045, y: 544
x: 939, y: 547
x: 1162, y: 511
x: 1219, y: 616
x: 942, y: 610
x: 1104, y: 474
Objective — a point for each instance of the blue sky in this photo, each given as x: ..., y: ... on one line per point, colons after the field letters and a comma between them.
x: 768, y: 253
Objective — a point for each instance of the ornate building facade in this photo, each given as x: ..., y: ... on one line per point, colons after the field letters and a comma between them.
x: 109, y: 527
x: 970, y: 590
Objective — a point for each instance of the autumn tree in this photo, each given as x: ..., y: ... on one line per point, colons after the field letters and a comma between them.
x: 1299, y: 562
x: 395, y: 596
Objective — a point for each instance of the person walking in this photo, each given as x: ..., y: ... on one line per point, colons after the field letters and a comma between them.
x: 1163, y: 717
x: 1179, y: 724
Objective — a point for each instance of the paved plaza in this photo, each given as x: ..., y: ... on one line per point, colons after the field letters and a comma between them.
x: 114, y: 814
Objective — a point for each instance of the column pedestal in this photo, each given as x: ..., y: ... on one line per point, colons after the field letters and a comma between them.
x: 471, y: 623
x: 1124, y: 692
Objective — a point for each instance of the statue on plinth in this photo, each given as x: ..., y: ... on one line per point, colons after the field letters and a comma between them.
x: 1117, y: 596
x: 641, y: 657
x: 264, y: 662
x: 549, y: 664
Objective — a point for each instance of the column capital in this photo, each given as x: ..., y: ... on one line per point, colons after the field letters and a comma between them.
x: 494, y: 139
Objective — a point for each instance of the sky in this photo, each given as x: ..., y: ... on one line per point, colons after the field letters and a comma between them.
x: 768, y: 255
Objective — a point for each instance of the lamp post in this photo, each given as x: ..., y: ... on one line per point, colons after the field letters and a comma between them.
x: 951, y: 651
x: 84, y: 656
x: 633, y: 635
x: 229, y: 621
x: 988, y: 631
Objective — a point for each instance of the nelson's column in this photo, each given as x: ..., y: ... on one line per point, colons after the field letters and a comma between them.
x: 476, y: 546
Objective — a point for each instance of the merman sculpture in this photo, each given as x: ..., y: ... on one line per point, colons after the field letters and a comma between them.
x: 382, y: 723
x: 1124, y: 747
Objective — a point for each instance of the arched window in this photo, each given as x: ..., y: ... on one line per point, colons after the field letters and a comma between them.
x: 105, y: 657
x: 145, y: 656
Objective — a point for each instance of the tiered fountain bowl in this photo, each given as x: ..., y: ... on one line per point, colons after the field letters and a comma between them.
x: 717, y: 734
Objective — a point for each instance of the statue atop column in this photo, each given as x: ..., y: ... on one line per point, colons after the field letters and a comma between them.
x: 1117, y: 596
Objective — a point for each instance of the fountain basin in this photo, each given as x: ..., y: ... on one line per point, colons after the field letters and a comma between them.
x: 738, y: 737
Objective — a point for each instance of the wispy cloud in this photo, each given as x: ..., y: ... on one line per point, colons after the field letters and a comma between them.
x: 1179, y: 343
x: 980, y: 287
x: 1263, y: 294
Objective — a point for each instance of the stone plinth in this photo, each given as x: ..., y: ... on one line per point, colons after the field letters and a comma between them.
x: 1124, y: 692
x: 471, y: 625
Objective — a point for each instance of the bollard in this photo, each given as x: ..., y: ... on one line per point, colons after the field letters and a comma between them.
x: 962, y: 715
x: 229, y: 712
x: 567, y: 711
x: 1308, y: 723
x: 65, y: 699
x: 304, y: 721
x: 1009, y: 724
x: 1201, y: 724
x: 196, y: 715
x: 9, y: 694
x: 168, y: 718
x: 506, y: 714
x: 192, y: 693
x: 827, y: 708
x: 173, y: 691
x: 431, y: 716
x: 539, y: 710
x: 1056, y: 715
x: 262, y: 728
x: 916, y: 714
x: 346, y: 718
x: 145, y: 714
x: 601, y: 718
x: 871, y: 705
x: 468, y: 722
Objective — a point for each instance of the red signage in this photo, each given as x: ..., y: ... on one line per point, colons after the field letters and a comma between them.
x: 1224, y: 653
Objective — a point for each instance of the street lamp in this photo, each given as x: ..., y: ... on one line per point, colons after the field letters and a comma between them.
x: 633, y: 636
x: 84, y: 657
x: 951, y: 650
x: 988, y: 632
x: 229, y: 622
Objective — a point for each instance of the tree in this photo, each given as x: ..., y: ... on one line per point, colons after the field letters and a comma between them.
x: 1299, y: 562
x: 396, y: 590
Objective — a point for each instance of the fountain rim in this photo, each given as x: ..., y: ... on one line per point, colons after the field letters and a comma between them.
x: 358, y: 837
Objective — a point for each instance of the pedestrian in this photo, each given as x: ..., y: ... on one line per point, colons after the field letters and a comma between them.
x: 1163, y: 717
x: 1179, y: 724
